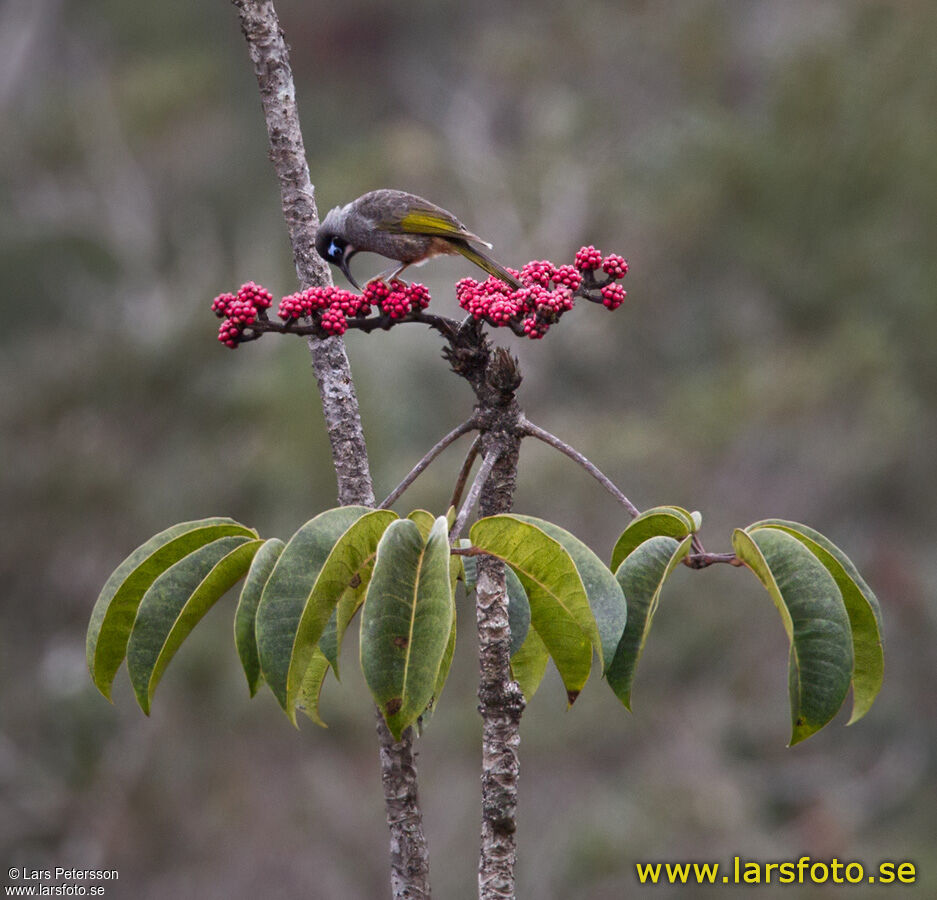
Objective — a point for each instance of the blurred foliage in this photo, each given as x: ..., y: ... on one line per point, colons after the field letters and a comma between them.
x: 770, y: 171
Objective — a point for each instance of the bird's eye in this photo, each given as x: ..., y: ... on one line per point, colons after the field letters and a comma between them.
x: 335, y: 252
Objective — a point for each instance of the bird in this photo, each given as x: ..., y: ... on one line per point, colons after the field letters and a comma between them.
x: 402, y: 227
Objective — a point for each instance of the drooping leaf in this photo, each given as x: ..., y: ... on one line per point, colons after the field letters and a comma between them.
x: 815, y: 619
x: 641, y: 575
x: 311, y: 687
x: 245, y: 641
x: 559, y: 606
x: 406, y: 621
x: 116, y: 606
x: 175, y: 603
x: 605, y: 595
x: 670, y: 521
x: 334, y: 632
x: 314, y: 570
x: 529, y: 663
x: 446, y: 663
x: 350, y: 602
x: 865, y: 615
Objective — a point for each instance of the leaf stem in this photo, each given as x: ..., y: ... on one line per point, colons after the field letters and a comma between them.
x: 528, y: 428
x: 704, y: 560
x: 464, y: 472
x: 419, y: 468
x: 480, y: 478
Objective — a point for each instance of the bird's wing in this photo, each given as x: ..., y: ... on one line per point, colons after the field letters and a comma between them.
x: 427, y: 219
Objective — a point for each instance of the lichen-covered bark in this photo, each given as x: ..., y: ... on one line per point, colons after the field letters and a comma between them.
x: 270, y: 56
x: 501, y: 702
x: 409, y: 861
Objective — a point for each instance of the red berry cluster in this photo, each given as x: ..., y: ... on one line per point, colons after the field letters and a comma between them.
x: 396, y: 299
x: 330, y: 306
x: 588, y: 258
x: 239, y: 310
x: 547, y: 291
x: 615, y: 265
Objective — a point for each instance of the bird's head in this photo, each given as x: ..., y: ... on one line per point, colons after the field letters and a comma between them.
x: 332, y: 246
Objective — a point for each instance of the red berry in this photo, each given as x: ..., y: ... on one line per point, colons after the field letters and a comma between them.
x: 375, y: 291
x: 588, y: 258
x: 418, y: 295
x: 255, y: 295
x: 538, y: 272
x: 220, y: 304
x: 333, y: 321
x: 615, y: 265
x: 613, y: 295
x: 534, y: 328
x: 568, y: 276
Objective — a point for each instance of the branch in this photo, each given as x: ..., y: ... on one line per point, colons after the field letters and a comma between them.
x: 418, y: 469
x: 528, y: 428
x: 480, y: 478
x: 464, y: 472
x: 270, y: 56
x: 501, y: 702
x: 443, y: 324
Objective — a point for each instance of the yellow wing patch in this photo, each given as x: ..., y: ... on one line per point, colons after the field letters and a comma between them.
x: 428, y: 223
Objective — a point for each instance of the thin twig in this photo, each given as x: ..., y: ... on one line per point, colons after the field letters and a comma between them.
x: 464, y: 472
x: 418, y: 469
x: 480, y: 478
x: 528, y: 427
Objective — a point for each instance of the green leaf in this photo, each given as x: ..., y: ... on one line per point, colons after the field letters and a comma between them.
x: 311, y: 686
x: 245, y: 641
x: 469, y: 566
x: 559, y: 606
x: 605, y: 596
x: 446, y: 663
x: 175, y: 603
x: 641, y: 575
x: 670, y: 521
x: 314, y: 570
x: 406, y: 622
x: 865, y: 615
x: 334, y: 632
x: 116, y: 607
x: 529, y: 663
x: 815, y: 619
x: 425, y: 521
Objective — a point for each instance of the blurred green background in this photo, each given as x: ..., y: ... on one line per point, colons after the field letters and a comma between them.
x: 770, y: 171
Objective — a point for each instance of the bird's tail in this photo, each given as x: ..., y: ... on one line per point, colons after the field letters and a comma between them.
x: 485, y: 262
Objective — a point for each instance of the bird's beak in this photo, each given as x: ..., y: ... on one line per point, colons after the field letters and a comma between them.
x: 343, y: 265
